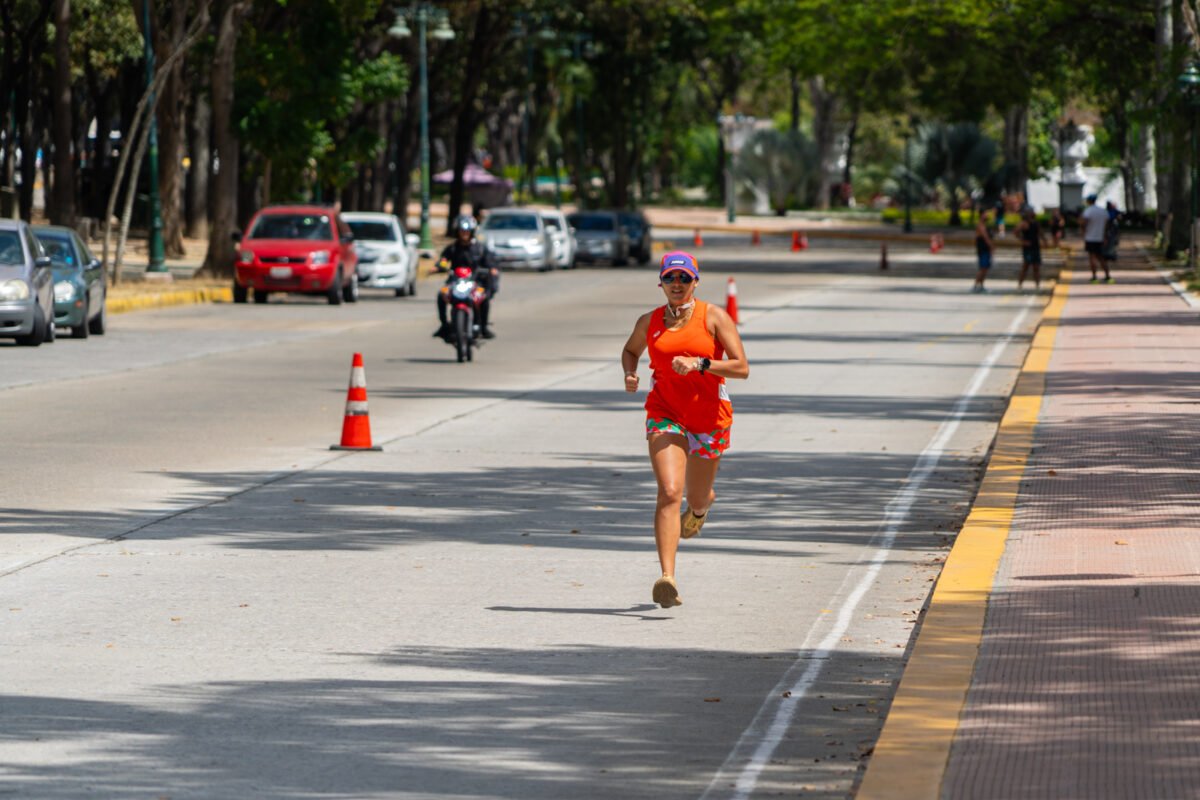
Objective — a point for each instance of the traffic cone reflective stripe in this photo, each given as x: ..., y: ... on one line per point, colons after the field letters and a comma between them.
x: 731, y: 301
x: 356, y: 423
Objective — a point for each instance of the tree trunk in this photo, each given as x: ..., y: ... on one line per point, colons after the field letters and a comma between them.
x: 1179, y: 235
x: 64, y: 161
x: 200, y: 125
x: 171, y: 122
x: 1143, y: 168
x: 824, y: 112
x: 848, y: 172
x: 219, y: 259
x: 1016, y: 149
x: 796, y: 88
x: 1164, y: 161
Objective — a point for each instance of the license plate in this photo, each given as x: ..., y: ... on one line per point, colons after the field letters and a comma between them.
x: 281, y: 272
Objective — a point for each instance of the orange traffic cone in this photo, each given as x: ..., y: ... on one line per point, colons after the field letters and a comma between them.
x: 356, y: 428
x: 936, y: 243
x: 883, y: 262
x: 696, y: 240
x: 755, y: 238
x: 731, y: 301
x: 795, y: 241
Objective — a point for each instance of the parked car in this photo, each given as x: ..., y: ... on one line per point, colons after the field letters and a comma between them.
x: 302, y: 249
x: 26, y: 286
x: 562, y: 239
x: 80, y: 285
x: 599, y: 237
x: 516, y: 237
x: 637, y: 228
x: 387, y: 256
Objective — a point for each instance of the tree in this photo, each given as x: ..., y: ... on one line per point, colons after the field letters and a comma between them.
x: 958, y: 157
x: 64, y: 156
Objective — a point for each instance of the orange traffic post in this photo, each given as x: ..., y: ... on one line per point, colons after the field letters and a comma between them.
x: 356, y: 426
x: 795, y: 241
x: 731, y: 301
x: 883, y: 262
x: 696, y: 240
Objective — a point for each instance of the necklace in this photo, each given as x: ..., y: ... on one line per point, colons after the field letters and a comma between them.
x: 678, y: 312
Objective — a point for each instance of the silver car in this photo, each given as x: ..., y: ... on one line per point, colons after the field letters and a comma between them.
x: 26, y: 286
x: 516, y: 237
x: 387, y: 256
x: 562, y: 239
x: 600, y: 237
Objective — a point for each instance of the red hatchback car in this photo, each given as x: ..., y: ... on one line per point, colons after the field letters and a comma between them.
x: 304, y: 249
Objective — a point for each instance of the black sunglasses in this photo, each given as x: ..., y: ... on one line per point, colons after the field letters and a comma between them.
x: 671, y: 277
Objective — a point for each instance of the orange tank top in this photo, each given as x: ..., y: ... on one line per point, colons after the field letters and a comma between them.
x: 698, y: 402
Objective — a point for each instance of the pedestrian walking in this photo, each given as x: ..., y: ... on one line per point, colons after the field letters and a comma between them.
x: 1094, y: 221
x: 983, y: 251
x: 1058, y: 227
x: 1112, y: 236
x: 694, y: 347
x: 1032, y: 237
x: 1000, y: 230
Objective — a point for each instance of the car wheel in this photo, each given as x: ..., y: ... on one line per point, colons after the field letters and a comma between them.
x: 644, y: 257
x: 350, y: 290
x: 51, y: 331
x: 334, y: 293
x: 620, y: 262
x: 261, y: 295
x: 412, y: 285
x: 98, y: 324
x: 402, y: 292
x: 38, y: 334
x: 80, y: 331
x: 240, y: 293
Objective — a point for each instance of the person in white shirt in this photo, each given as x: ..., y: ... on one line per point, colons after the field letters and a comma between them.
x: 1093, y: 221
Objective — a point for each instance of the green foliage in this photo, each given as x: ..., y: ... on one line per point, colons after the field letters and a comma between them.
x: 300, y: 79
x: 104, y: 36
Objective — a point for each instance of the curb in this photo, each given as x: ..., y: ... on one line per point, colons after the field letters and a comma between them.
x: 913, y: 751
x: 1168, y: 276
x: 182, y: 297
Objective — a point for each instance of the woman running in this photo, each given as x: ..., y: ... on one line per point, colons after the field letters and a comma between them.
x: 693, y: 347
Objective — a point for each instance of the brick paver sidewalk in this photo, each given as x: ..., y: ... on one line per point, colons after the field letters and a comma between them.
x: 1088, y: 679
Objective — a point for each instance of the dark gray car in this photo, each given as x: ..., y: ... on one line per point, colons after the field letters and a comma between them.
x: 599, y: 236
x: 26, y: 286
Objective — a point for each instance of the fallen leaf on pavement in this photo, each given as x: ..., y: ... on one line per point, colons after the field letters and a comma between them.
x: 1120, y: 541
x: 1051, y: 472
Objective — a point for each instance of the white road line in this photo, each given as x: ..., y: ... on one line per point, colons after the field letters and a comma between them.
x: 755, y: 746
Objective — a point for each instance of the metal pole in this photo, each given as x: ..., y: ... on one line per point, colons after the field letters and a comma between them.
x: 526, y: 172
x: 426, y: 236
x: 157, y: 252
x: 579, y: 190
x: 907, y: 185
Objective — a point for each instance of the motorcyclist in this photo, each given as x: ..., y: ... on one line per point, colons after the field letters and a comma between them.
x: 465, y: 251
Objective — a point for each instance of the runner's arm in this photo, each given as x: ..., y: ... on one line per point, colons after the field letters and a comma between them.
x: 723, y: 329
x: 633, y: 350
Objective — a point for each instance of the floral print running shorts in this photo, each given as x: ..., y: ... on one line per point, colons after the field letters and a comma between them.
x: 705, y: 445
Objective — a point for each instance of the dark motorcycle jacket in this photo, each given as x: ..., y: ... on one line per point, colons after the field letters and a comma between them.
x: 475, y: 256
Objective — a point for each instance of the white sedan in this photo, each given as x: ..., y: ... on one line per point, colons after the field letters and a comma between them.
x: 387, y: 256
x: 562, y: 239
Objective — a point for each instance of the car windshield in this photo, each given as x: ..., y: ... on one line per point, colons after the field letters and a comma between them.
x: 292, y: 226
x: 11, y: 253
x: 631, y: 221
x: 592, y: 222
x: 511, y: 222
x: 552, y: 223
x: 58, y: 247
x: 372, y: 231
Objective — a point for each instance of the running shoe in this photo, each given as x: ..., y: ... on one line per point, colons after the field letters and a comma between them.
x: 1094, y: 280
x: 1110, y: 280
x: 690, y: 524
x: 666, y: 593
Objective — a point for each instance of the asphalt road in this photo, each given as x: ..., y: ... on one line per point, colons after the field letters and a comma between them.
x: 199, y: 599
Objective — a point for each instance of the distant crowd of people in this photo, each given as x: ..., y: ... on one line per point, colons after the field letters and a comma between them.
x: 1101, y: 236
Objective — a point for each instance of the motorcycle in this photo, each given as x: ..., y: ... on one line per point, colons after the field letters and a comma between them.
x: 463, y: 296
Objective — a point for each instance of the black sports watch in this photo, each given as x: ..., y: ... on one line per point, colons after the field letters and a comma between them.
x: 705, y: 363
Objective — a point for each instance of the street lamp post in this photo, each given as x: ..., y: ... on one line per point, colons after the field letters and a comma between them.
x: 729, y: 124
x: 1189, y: 83
x: 157, y: 253
x: 422, y: 14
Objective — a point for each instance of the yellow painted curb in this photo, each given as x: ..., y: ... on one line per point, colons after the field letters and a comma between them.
x: 183, y: 297
x: 913, y: 751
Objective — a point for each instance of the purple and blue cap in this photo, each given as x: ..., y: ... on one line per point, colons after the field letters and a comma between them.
x: 679, y: 260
